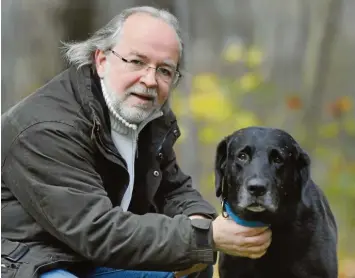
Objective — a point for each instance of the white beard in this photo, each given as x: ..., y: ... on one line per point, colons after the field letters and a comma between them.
x: 135, y: 114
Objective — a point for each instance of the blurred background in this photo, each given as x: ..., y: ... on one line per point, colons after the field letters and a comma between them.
x: 286, y: 64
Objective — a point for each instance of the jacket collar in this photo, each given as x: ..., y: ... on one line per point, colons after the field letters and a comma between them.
x: 87, y: 89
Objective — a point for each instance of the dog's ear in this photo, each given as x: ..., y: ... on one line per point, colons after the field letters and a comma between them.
x: 304, y: 163
x: 303, y: 177
x: 220, y: 165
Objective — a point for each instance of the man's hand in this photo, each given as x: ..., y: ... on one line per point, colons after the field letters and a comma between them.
x: 237, y: 240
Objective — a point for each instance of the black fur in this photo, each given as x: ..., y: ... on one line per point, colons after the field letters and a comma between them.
x: 267, y: 168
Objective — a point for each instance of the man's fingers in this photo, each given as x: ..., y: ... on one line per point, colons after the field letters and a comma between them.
x: 249, y: 231
x: 257, y: 240
x: 254, y: 248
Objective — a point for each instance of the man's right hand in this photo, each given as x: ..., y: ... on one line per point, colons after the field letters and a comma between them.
x: 236, y: 240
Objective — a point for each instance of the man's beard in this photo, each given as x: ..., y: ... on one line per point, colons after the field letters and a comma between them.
x: 132, y: 114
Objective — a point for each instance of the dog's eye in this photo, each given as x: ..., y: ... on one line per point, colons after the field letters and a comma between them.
x: 276, y: 157
x: 243, y: 156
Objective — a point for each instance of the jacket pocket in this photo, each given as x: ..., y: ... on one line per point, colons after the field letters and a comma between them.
x: 11, y: 254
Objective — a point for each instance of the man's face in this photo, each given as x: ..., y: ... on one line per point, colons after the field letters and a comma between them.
x: 136, y: 93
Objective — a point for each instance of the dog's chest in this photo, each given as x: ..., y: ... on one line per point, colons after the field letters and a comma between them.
x: 280, y: 261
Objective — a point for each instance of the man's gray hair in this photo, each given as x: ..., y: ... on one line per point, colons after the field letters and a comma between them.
x: 82, y: 53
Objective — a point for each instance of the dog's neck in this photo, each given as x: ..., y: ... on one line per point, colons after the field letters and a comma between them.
x: 241, y: 221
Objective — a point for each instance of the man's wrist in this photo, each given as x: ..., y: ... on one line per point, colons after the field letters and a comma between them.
x: 203, y: 240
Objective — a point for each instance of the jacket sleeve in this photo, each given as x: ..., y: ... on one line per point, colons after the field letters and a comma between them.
x: 180, y: 196
x: 50, y: 169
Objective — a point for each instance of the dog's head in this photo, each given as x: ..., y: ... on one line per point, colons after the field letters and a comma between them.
x: 260, y: 171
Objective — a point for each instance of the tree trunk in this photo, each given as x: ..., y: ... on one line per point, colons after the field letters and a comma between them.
x: 313, y: 113
x: 189, y: 147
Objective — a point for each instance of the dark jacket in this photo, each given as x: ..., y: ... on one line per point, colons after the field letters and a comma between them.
x: 62, y: 181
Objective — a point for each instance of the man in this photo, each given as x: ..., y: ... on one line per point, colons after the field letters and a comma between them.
x: 89, y: 175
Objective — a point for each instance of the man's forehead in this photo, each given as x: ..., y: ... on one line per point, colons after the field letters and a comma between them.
x: 142, y: 24
x: 147, y: 36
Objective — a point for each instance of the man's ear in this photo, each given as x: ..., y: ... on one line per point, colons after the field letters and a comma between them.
x: 220, y: 165
x: 100, y: 62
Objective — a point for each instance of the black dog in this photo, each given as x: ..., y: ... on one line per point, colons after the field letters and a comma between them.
x: 263, y: 175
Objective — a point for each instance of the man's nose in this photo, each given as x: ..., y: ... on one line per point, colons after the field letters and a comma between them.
x: 257, y: 186
x: 149, y: 78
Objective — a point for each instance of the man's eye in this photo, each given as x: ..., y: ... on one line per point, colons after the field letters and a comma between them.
x: 166, y: 72
x: 137, y: 62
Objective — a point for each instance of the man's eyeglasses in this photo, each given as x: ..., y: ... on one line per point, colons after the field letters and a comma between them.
x: 163, y: 73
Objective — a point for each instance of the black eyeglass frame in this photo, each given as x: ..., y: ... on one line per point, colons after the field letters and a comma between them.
x: 177, y: 73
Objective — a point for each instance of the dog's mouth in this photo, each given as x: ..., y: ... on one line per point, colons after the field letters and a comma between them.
x: 255, y: 208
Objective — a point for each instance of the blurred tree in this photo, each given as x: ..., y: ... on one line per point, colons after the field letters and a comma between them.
x: 189, y: 146
x: 317, y: 87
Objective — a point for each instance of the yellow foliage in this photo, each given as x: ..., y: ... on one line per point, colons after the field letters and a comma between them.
x: 345, y: 104
x: 245, y: 118
x: 330, y: 130
x: 208, y: 185
x: 249, y: 82
x: 321, y: 151
x: 182, y: 134
x: 208, y: 135
x: 211, y: 106
x: 207, y: 82
x: 349, y: 126
x: 233, y: 53
x: 178, y: 104
x: 254, y: 56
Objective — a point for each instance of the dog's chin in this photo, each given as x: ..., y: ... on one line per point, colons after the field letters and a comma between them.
x: 255, y: 208
x: 257, y: 211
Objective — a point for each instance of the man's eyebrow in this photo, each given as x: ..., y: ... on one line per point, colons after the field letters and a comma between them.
x: 167, y: 62
x: 170, y: 63
x: 140, y: 55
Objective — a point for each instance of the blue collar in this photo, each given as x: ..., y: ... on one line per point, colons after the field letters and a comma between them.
x: 240, y: 221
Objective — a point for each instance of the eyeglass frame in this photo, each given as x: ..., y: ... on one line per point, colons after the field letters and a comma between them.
x: 177, y: 73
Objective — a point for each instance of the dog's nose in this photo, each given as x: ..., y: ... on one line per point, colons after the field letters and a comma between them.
x: 257, y: 187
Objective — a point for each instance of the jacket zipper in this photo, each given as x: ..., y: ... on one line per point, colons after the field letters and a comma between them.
x: 136, y: 135
x: 165, y: 136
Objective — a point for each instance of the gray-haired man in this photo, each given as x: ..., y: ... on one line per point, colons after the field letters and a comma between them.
x: 89, y: 174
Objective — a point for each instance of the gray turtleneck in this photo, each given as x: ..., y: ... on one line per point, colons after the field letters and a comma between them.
x: 125, y: 138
